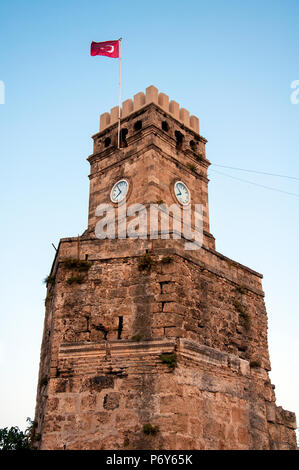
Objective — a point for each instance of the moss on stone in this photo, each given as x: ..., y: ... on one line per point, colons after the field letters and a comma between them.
x: 170, y: 360
x: 78, y: 279
x: 73, y: 263
x: 166, y: 260
x: 146, y: 263
x: 149, y: 429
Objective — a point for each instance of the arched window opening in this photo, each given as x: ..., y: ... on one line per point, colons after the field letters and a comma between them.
x: 165, y: 126
x: 138, y: 126
x: 123, y: 137
x: 179, y: 139
x: 107, y: 142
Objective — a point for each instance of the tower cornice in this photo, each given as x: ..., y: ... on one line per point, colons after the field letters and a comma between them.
x: 133, y: 154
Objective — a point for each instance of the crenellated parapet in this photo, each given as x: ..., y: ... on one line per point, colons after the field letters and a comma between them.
x: 141, y: 99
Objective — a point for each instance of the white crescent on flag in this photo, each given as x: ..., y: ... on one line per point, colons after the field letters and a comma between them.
x: 108, y: 49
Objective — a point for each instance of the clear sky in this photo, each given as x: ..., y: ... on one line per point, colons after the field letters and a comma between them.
x: 231, y: 63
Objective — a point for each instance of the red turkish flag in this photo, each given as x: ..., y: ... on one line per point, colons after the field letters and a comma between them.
x: 107, y: 48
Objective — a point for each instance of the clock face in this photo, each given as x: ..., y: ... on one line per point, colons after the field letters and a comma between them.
x: 119, y: 191
x: 182, y: 193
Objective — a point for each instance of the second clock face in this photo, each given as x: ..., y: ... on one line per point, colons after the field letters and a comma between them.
x: 119, y: 191
x: 182, y: 193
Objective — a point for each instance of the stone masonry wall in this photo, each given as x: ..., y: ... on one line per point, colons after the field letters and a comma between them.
x: 102, y: 383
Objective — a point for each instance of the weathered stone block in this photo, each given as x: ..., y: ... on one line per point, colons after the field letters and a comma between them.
x: 163, y: 101
x: 184, y: 116
x: 114, y: 114
x: 139, y: 100
x: 194, y: 123
x: 151, y: 95
x: 111, y: 401
x: 104, y: 120
x: 127, y: 108
x: 174, y: 108
x: 88, y: 402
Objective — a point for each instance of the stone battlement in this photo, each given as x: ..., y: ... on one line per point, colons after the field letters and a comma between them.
x: 141, y: 99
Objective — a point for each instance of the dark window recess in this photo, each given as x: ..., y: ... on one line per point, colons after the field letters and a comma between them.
x: 193, y: 145
x: 86, y: 257
x: 165, y: 126
x: 120, y: 327
x: 107, y: 141
x: 138, y: 126
x: 179, y: 139
x: 123, y: 138
x: 101, y: 328
x: 162, y: 283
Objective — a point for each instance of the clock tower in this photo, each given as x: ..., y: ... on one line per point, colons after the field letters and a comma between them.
x: 147, y: 344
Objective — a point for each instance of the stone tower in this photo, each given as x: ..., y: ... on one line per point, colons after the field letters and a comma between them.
x: 148, y: 345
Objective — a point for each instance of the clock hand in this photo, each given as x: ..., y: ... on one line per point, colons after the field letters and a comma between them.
x: 118, y: 190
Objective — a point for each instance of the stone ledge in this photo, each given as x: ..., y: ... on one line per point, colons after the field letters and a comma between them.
x: 285, y: 417
x: 277, y: 415
x: 185, y: 348
x: 201, y: 353
x: 131, y: 155
x: 116, y: 348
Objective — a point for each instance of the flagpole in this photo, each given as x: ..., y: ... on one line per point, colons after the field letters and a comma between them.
x: 119, y: 95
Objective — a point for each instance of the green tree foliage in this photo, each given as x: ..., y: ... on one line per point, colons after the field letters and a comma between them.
x: 15, y: 439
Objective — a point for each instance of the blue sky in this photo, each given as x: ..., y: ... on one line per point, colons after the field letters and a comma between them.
x: 231, y: 63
